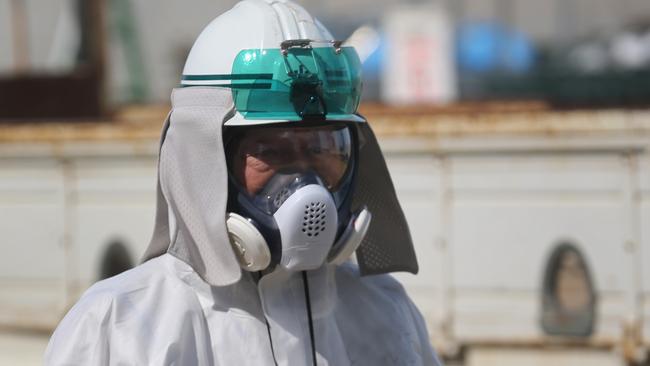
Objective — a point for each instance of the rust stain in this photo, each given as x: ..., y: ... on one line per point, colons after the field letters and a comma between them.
x: 632, y: 342
x: 537, y: 122
x: 143, y: 123
x: 129, y: 124
x: 546, y: 343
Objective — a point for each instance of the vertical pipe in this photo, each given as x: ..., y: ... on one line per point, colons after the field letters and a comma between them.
x: 99, y: 40
x: 93, y: 42
x: 20, y: 30
x: 633, y: 321
x: 446, y: 268
x: 71, y: 274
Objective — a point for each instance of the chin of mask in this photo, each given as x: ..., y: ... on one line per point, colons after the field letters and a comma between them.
x: 289, y: 197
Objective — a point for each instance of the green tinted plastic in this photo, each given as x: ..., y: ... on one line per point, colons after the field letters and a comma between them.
x: 307, y: 82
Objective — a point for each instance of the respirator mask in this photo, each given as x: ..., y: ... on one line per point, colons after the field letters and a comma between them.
x: 290, y: 195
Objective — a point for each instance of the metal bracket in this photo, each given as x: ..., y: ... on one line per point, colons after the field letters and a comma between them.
x: 306, y: 43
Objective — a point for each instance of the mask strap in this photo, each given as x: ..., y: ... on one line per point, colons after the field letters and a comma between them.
x: 351, y: 237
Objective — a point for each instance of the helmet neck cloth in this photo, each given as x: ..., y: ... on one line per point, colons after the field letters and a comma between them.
x: 192, y: 174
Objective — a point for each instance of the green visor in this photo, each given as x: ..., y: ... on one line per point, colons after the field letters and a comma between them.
x: 298, y: 81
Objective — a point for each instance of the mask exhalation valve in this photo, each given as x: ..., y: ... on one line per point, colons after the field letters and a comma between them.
x: 314, y: 221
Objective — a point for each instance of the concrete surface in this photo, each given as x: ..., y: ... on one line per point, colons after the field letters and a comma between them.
x: 24, y: 349
x: 541, y: 357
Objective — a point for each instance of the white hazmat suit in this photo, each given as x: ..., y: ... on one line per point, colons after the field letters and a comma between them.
x: 166, y: 312
x: 163, y: 313
x: 190, y: 302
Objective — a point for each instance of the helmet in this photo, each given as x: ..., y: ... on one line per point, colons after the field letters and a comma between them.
x: 280, y: 62
x: 290, y: 185
x: 279, y: 76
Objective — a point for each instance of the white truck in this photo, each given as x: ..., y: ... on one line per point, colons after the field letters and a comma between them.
x: 532, y: 227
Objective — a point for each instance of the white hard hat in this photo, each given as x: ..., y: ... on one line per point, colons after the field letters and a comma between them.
x: 274, y: 55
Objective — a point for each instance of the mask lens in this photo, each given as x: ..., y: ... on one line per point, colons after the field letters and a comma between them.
x: 260, y: 154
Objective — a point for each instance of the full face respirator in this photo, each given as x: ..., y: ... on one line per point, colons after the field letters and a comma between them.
x: 290, y: 192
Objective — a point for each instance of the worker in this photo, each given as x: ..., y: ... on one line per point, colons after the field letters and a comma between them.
x: 268, y: 182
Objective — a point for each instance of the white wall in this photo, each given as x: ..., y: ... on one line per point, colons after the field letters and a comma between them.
x: 33, y: 266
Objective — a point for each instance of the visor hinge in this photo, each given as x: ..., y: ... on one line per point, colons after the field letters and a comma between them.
x: 306, y: 43
x: 294, y: 43
x: 337, y: 46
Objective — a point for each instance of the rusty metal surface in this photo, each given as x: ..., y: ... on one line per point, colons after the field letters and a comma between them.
x: 144, y: 123
x: 129, y: 124
x: 77, y: 94
x: 547, y: 343
x: 490, y: 121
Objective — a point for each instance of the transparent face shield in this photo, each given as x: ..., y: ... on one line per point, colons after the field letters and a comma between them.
x: 300, y: 80
x: 269, y: 163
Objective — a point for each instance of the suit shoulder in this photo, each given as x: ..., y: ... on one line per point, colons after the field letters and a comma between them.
x: 126, y: 294
x: 349, y: 273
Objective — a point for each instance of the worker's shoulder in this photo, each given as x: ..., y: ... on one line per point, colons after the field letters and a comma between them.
x: 135, y: 288
x: 350, y: 272
x: 122, y: 309
x: 378, y: 287
x: 377, y: 303
x: 140, y: 277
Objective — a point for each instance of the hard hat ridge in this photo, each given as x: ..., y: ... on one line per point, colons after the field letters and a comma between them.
x: 250, y: 24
